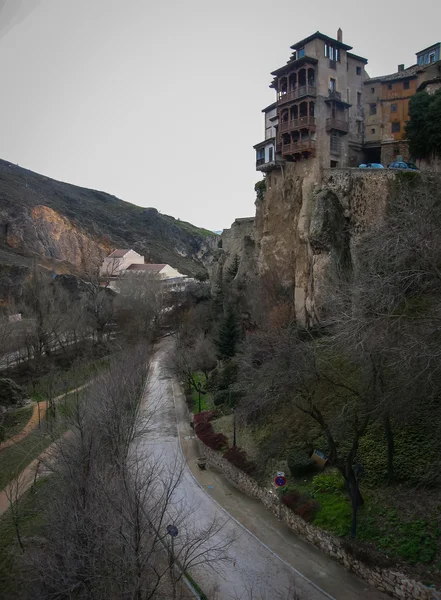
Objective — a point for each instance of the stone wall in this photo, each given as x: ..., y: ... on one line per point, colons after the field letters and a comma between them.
x: 386, y: 580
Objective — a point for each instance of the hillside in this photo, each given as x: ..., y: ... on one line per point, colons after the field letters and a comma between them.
x: 68, y: 227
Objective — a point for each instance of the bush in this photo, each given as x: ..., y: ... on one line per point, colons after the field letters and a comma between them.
x: 203, y: 429
x: 329, y: 482
x: 300, y: 504
x: 215, y: 441
x: 300, y: 464
x: 205, y: 416
x: 10, y: 392
x: 238, y: 458
x: 230, y: 398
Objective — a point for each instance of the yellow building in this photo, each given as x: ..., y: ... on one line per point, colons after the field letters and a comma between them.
x: 387, y: 110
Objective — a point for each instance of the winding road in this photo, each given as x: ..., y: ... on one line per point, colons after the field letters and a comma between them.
x: 267, y: 560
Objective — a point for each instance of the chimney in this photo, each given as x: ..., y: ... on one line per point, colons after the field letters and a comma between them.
x: 339, y: 35
x: 400, y: 68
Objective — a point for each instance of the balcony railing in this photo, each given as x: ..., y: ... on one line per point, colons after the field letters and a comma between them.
x: 260, y: 161
x: 337, y: 124
x: 297, y: 124
x: 298, y: 147
x: 298, y: 92
x: 334, y: 95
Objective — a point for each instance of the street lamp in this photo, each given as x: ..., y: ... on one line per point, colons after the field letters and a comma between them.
x: 199, y: 392
x: 172, y: 530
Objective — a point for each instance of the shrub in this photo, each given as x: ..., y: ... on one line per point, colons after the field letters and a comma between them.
x: 10, y: 392
x: 307, y: 510
x: 215, y: 441
x: 227, y: 397
x: 203, y: 429
x: 329, y: 482
x: 300, y: 504
x: 238, y: 458
x: 205, y: 416
x: 300, y: 464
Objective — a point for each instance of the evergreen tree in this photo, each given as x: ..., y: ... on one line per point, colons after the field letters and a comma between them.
x: 228, y: 336
x: 423, y: 129
x: 233, y: 268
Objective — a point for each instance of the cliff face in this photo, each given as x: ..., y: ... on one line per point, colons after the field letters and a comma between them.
x: 66, y: 226
x: 307, y: 225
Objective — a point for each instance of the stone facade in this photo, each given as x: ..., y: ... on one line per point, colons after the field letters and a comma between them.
x: 386, y: 580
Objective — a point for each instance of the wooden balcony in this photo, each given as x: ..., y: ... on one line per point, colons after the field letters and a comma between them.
x: 337, y: 125
x: 298, y: 147
x: 300, y: 123
x: 298, y: 92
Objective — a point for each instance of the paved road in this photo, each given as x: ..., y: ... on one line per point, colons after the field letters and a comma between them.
x: 267, y: 560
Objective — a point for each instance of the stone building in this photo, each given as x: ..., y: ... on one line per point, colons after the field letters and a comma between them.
x: 387, y: 106
x: 319, y: 106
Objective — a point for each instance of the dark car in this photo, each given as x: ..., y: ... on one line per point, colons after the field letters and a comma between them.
x: 403, y: 165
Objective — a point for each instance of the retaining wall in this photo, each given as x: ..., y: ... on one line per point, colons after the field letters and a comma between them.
x: 386, y: 580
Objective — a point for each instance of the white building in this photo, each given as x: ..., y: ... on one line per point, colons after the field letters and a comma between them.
x: 122, y: 261
x: 119, y: 261
x: 266, y: 150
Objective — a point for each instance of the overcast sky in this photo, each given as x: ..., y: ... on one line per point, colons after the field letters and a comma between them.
x: 159, y: 102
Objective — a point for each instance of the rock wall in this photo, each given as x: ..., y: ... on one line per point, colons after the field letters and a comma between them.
x: 307, y: 224
x: 43, y: 232
x: 386, y: 580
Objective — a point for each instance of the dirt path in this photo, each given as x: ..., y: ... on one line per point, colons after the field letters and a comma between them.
x: 16, y: 488
x: 37, y: 416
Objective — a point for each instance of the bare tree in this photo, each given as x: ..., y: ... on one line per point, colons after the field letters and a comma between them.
x: 113, y: 498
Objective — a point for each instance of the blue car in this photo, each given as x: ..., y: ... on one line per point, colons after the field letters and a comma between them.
x: 403, y: 165
x: 371, y: 166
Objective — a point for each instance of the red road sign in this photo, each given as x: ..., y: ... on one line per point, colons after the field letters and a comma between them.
x: 280, y: 481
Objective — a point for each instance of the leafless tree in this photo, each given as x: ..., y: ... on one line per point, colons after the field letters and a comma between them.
x: 113, y: 498
x: 139, y: 304
x: 291, y: 367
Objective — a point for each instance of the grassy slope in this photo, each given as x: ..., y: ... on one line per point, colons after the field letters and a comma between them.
x: 160, y: 238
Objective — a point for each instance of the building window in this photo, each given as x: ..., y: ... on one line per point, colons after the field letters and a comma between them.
x: 373, y: 130
x: 372, y: 109
x: 406, y: 85
x: 332, y: 52
x: 332, y: 83
x: 393, y: 108
x: 389, y: 87
x: 270, y: 154
x: 358, y: 70
x: 432, y: 57
x: 372, y: 90
x: 396, y: 127
x: 301, y: 52
x: 358, y: 98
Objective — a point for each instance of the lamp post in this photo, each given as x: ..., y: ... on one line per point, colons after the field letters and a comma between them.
x: 172, y: 530
x: 199, y: 392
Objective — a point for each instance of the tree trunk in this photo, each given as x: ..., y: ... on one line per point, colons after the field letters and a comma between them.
x: 390, y: 447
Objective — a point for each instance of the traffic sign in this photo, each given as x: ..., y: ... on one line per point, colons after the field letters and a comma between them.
x: 280, y: 481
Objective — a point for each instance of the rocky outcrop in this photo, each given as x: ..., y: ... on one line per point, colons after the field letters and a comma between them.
x: 307, y: 226
x: 66, y: 227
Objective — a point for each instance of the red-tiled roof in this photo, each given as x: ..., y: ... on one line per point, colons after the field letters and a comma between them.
x: 149, y: 268
x: 119, y: 253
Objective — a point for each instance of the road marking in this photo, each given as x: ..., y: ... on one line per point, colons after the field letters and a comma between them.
x: 235, y: 520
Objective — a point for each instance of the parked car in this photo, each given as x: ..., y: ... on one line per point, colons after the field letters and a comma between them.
x: 371, y: 166
x: 403, y: 165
